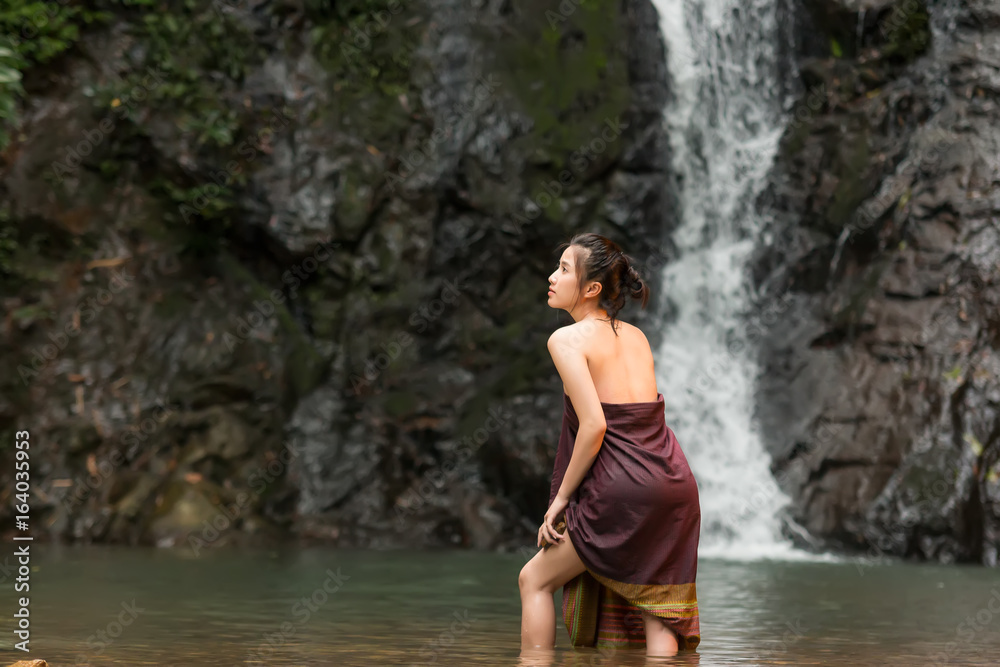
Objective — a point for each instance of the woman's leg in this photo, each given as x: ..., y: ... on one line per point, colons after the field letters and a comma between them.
x: 540, y: 577
x: 660, y: 639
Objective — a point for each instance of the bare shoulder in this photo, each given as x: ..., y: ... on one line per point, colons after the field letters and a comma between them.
x: 636, y: 338
x: 637, y: 332
x: 564, y: 335
x: 571, y: 338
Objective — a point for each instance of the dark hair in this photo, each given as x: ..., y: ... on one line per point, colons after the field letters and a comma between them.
x: 605, y: 262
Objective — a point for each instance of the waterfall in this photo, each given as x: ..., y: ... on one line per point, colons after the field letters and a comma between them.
x: 724, y: 123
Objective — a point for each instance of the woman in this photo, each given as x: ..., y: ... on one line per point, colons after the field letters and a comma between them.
x: 628, y: 558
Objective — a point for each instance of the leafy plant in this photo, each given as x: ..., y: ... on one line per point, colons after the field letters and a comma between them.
x: 200, y: 52
x: 367, y: 46
x: 11, y: 91
x: 569, y: 72
x: 8, y: 246
x: 34, y: 33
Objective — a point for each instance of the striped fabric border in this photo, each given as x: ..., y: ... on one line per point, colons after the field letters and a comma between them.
x: 602, y: 612
x: 580, y: 598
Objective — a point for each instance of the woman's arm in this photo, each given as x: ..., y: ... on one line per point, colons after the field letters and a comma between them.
x: 571, y: 362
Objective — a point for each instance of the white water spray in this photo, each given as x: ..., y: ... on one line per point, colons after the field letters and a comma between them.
x: 724, y: 125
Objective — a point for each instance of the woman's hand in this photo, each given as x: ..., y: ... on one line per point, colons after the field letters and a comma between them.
x: 548, y: 527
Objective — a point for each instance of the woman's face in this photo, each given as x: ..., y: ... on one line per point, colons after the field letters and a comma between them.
x: 563, y: 282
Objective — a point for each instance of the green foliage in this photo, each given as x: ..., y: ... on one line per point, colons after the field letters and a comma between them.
x: 197, y: 216
x: 835, y: 48
x: 368, y: 51
x: 210, y: 202
x: 199, y: 53
x: 974, y: 444
x: 907, y: 33
x: 34, y: 33
x: 11, y: 92
x: 188, y: 64
x: 8, y: 246
x: 219, y: 125
x: 849, y: 164
x: 32, y: 252
x: 40, y: 31
x: 953, y: 374
x: 569, y: 71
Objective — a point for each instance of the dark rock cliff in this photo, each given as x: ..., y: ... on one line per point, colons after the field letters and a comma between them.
x: 880, y: 375
x: 279, y: 267
x: 275, y: 268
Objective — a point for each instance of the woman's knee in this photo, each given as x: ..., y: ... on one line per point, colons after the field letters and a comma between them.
x: 526, y: 579
x: 530, y: 580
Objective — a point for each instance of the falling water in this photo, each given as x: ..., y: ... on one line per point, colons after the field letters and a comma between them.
x: 724, y: 123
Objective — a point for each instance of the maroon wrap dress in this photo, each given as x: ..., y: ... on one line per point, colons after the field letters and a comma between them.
x: 634, y: 520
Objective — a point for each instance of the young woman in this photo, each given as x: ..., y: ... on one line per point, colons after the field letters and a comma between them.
x: 628, y: 558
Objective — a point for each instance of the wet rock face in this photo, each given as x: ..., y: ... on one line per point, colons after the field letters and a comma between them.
x: 293, y: 277
x: 879, y: 375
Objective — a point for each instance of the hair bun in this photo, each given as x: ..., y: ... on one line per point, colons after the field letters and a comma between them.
x: 636, y: 286
x: 632, y: 278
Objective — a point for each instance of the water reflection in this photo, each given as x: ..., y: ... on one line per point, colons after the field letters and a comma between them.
x: 463, y: 608
x: 583, y: 657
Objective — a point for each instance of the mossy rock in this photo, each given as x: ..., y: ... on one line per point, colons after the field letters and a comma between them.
x: 184, y: 509
x: 851, y: 168
x: 569, y: 75
x: 222, y: 434
x: 132, y: 502
x: 906, y: 30
x: 368, y: 49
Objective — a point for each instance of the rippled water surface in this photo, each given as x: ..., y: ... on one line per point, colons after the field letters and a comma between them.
x: 459, y: 608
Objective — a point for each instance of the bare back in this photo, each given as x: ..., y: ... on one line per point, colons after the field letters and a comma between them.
x: 621, y: 366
